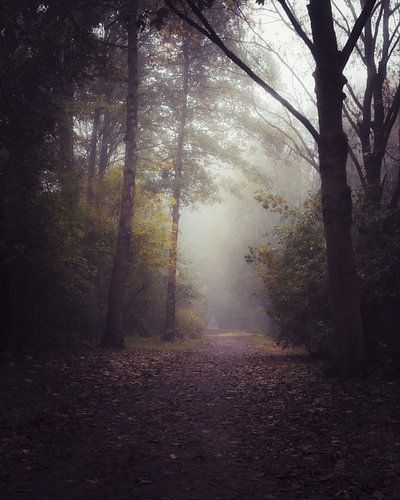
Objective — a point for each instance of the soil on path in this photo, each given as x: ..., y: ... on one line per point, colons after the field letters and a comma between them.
x: 226, y: 420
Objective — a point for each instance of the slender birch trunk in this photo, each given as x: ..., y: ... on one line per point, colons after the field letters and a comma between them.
x: 104, y: 156
x: 170, y: 326
x: 92, y: 156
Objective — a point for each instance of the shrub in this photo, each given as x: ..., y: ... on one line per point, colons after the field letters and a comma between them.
x: 189, y: 323
x: 294, y: 271
x: 295, y: 275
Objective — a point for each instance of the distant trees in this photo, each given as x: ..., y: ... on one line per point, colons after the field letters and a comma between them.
x: 62, y: 126
x: 371, y: 111
x: 348, y: 351
x: 61, y: 133
x: 294, y: 269
x: 62, y: 129
x: 176, y: 191
x: 44, y: 55
x: 197, y: 105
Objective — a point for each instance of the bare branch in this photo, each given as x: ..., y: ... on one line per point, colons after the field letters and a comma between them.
x: 208, y: 31
x: 295, y: 148
x: 378, y: 22
x: 391, y: 116
x: 353, y: 124
x: 267, y: 46
x: 356, y: 31
x: 354, y: 97
x: 347, y: 29
x: 357, y: 165
x: 393, y: 46
x: 296, y: 25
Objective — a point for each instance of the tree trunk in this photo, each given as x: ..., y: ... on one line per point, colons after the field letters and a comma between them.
x: 396, y: 192
x: 170, y: 326
x: 65, y: 126
x: 92, y: 156
x: 104, y: 147
x: 114, y: 334
x: 6, y: 303
x: 374, y: 125
x: 66, y: 130
x: 348, y: 343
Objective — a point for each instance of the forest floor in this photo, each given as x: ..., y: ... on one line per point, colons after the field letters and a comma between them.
x: 225, y: 419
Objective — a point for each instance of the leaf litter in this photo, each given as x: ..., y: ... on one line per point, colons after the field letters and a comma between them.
x: 224, y: 420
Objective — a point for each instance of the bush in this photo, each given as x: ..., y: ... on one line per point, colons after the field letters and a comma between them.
x: 295, y: 274
x: 378, y: 263
x: 189, y: 323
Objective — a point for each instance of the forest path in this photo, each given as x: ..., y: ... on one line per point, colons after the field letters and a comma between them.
x: 225, y: 420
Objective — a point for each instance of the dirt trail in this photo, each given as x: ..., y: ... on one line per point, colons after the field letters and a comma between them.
x: 223, y: 421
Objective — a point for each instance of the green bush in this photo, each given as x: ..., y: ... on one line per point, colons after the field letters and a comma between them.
x: 189, y: 323
x: 378, y: 263
x: 294, y: 271
x: 295, y: 274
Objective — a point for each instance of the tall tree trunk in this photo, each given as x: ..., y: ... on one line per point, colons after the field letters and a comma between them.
x: 65, y: 126
x: 373, y: 125
x: 106, y: 130
x: 6, y: 303
x: 114, y: 334
x: 396, y: 192
x: 92, y: 156
x: 170, y: 326
x: 66, y: 130
x: 348, y: 348
x: 104, y: 156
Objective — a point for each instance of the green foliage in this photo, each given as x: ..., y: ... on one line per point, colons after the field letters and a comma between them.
x: 63, y: 290
x: 295, y: 275
x: 378, y: 262
x: 276, y: 203
x: 294, y: 272
x: 189, y: 323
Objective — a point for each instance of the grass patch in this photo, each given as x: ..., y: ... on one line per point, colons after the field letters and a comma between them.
x: 263, y: 342
x: 157, y: 344
x: 228, y: 334
x: 269, y: 346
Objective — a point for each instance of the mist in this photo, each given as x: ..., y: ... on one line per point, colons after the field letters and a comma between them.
x: 199, y: 249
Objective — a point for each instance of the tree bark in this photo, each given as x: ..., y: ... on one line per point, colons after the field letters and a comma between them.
x: 114, y: 334
x: 65, y: 126
x: 170, y: 322
x: 104, y: 156
x: 348, y: 343
x: 396, y: 192
x: 66, y: 130
x: 373, y: 153
x: 6, y: 303
x: 92, y: 156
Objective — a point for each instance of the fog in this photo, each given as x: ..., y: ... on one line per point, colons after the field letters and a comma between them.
x: 216, y: 238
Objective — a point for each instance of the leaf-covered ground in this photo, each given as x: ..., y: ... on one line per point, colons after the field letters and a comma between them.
x: 224, y: 420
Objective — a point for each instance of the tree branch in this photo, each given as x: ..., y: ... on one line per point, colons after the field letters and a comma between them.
x: 391, y: 116
x: 295, y: 148
x: 208, y: 31
x: 353, y: 124
x: 296, y: 26
x: 357, y: 165
x: 353, y: 95
x: 356, y: 31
